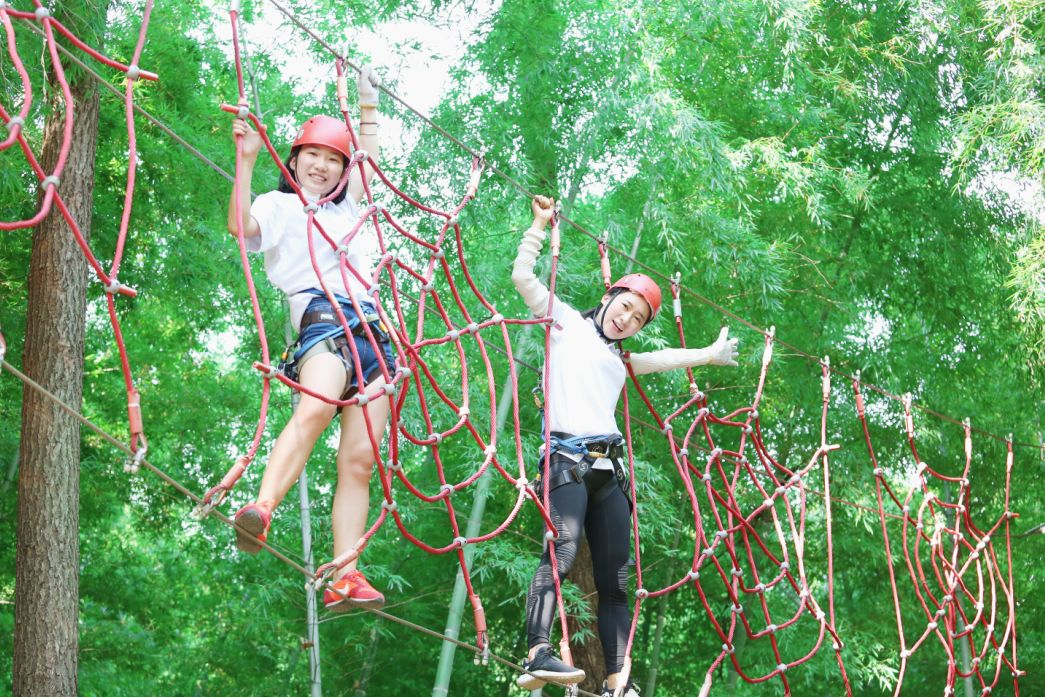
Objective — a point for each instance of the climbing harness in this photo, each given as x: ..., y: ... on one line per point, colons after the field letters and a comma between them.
x: 321, y: 332
x: 565, y: 470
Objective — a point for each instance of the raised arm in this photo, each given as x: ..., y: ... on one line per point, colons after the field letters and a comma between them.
x: 526, y: 282
x: 366, y: 85
x: 251, y: 147
x: 722, y: 352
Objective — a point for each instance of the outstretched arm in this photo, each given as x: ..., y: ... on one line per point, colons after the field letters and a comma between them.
x: 526, y: 282
x: 366, y: 84
x: 722, y: 352
x: 250, y: 148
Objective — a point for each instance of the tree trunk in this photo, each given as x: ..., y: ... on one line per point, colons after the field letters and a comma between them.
x: 587, y: 656
x: 48, y: 551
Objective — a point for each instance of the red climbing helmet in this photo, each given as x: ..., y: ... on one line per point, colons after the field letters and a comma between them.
x: 326, y: 131
x: 644, y: 286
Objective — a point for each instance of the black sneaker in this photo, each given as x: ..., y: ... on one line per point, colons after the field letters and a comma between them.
x: 547, y: 667
x: 629, y: 690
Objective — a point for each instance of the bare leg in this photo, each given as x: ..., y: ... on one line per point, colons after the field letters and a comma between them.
x: 323, y: 374
x: 355, y: 464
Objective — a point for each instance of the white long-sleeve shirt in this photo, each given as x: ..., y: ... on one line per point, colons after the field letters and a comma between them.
x: 585, y: 373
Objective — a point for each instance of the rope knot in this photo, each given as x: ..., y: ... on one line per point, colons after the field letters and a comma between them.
x: 134, y: 463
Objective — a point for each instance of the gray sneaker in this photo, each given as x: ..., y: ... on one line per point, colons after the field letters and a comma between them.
x: 547, y: 667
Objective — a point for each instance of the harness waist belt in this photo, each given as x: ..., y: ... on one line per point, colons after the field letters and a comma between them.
x: 595, y: 447
x: 321, y: 317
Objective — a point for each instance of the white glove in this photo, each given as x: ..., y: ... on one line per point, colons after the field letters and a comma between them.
x: 366, y: 85
x: 724, y: 350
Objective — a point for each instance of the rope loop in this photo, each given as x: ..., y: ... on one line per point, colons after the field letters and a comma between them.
x: 134, y: 462
x: 483, y: 657
x: 204, y: 507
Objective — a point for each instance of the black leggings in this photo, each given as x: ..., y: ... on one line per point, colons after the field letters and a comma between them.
x: 607, y: 525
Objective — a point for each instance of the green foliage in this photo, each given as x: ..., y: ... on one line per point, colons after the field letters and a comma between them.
x: 824, y: 167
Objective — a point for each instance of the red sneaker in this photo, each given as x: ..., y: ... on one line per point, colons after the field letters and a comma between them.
x: 356, y: 589
x: 252, y: 527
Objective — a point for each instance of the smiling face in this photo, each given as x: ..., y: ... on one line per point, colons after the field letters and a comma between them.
x: 317, y: 168
x: 624, y: 315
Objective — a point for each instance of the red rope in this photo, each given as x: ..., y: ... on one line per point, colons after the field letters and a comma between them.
x: 51, y: 181
x: 947, y: 618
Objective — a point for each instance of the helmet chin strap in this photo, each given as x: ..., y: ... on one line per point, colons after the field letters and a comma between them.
x: 599, y: 316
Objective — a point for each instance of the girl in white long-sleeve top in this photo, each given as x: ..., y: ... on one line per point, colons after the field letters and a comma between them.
x: 588, y: 480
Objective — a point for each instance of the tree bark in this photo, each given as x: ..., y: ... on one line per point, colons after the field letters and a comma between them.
x: 587, y: 656
x: 48, y: 551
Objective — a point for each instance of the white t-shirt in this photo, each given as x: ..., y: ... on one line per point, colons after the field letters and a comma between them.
x: 585, y: 378
x: 284, y: 241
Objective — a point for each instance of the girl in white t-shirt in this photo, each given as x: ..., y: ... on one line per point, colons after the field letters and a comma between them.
x: 276, y: 224
x: 587, y: 483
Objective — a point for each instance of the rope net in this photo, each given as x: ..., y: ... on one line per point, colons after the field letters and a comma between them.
x: 49, y: 181
x: 748, y: 509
